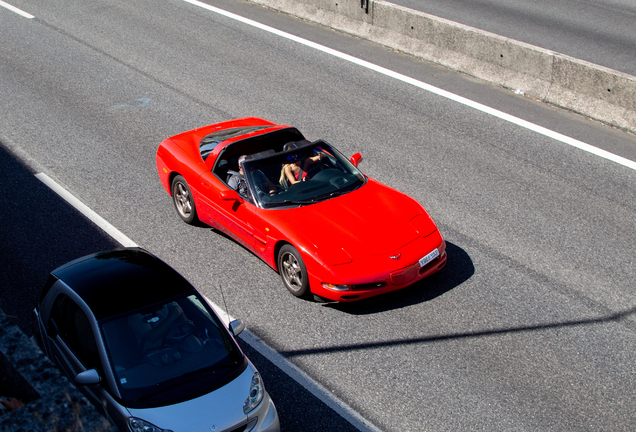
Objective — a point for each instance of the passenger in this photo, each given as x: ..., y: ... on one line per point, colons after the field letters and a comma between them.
x: 283, y: 177
x: 297, y: 171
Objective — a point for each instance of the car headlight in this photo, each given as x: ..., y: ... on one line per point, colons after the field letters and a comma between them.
x: 257, y: 391
x: 423, y: 224
x: 138, y: 425
x: 336, y: 287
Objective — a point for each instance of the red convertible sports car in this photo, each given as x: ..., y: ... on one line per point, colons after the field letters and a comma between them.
x: 302, y: 207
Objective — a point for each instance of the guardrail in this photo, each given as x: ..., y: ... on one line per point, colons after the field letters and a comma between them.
x: 594, y: 91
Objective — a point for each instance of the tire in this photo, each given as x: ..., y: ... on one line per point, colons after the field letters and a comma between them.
x: 293, y: 271
x: 183, y: 200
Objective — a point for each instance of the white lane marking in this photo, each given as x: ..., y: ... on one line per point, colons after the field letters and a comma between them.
x: 321, y: 393
x: 251, y: 339
x: 435, y: 90
x: 86, y: 211
x: 313, y: 387
x: 16, y: 10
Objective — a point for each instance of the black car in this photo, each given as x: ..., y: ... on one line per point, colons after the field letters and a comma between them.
x: 147, y: 348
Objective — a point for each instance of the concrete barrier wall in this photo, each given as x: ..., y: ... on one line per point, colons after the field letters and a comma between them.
x: 591, y: 90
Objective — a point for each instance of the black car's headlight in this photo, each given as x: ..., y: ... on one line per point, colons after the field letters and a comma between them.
x: 255, y: 396
x: 138, y: 425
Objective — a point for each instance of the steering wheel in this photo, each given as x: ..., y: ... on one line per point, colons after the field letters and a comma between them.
x: 315, y: 168
x: 178, y: 332
x: 278, y: 190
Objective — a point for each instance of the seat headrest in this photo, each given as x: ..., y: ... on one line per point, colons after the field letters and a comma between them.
x: 260, y: 155
x: 295, y: 144
x: 223, y: 164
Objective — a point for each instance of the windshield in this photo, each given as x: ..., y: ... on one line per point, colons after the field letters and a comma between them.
x: 157, y: 351
x: 304, y: 175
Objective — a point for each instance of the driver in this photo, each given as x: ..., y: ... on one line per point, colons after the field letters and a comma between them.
x: 261, y: 182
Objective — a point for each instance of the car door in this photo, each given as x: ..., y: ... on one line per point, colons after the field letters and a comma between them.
x: 73, y: 347
x: 226, y: 210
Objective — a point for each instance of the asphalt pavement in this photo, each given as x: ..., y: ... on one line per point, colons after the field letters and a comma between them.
x: 529, y: 327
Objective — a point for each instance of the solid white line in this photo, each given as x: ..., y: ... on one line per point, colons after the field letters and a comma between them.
x: 16, y: 10
x: 321, y: 393
x: 86, y: 211
x: 251, y: 339
x: 427, y: 87
x: 298, y: 375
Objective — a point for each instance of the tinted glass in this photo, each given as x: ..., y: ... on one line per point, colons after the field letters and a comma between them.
x: 156, y: 353
x: 75, y: 330
x: 209, y: 142
x: 319, y: 170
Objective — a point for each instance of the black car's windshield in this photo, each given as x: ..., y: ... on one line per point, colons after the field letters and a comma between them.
x: 304, y: 175
x: 166, y: 346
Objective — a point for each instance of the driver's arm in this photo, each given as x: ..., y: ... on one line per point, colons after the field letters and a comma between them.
x: 271, y: 186
x: 315, y: 158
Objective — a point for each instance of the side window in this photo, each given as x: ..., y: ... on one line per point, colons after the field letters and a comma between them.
x: 75, y: 330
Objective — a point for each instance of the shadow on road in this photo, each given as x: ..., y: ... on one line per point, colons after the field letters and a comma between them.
x: 607, y: 319
x: 40, y: 232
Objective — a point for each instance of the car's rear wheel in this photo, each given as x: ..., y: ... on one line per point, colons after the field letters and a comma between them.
x: 183, y: 200
x: 293, y: 271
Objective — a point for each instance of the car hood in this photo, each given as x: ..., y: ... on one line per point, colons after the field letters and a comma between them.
x: 371, y: 220
x: 222, y: 409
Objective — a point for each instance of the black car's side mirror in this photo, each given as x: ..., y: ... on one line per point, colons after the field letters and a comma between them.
x: 237, y: 326
x: 88, y: 377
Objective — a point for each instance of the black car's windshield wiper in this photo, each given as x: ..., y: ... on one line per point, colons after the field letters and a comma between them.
x: 208, y: 369
x: 182, y: 379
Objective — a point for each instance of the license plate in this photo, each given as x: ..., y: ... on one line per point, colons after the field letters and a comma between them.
x: 428, y: 258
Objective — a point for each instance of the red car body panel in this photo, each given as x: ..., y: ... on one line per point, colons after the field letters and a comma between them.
x: 371, y: 238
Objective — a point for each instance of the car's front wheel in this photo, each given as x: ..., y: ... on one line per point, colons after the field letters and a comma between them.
x: 183, y: 200
x: 293, y: 271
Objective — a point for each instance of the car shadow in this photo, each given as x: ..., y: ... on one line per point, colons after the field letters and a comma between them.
x: 609, y: 318
x: 459, y: 268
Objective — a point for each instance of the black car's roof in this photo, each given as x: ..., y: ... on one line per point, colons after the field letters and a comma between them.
x: 121, y: 280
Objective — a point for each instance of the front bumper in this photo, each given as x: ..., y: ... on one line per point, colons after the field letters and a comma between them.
x: 267, y: 416
x: 384, y: 273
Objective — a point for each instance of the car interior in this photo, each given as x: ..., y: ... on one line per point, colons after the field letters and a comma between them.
x: 191, y: 342
x: 227, y: 161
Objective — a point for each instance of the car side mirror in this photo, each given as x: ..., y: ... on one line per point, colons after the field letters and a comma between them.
x: 88, y: 377
x: 237, y: 326
x: 231, y: 195
x: 356, y: 159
